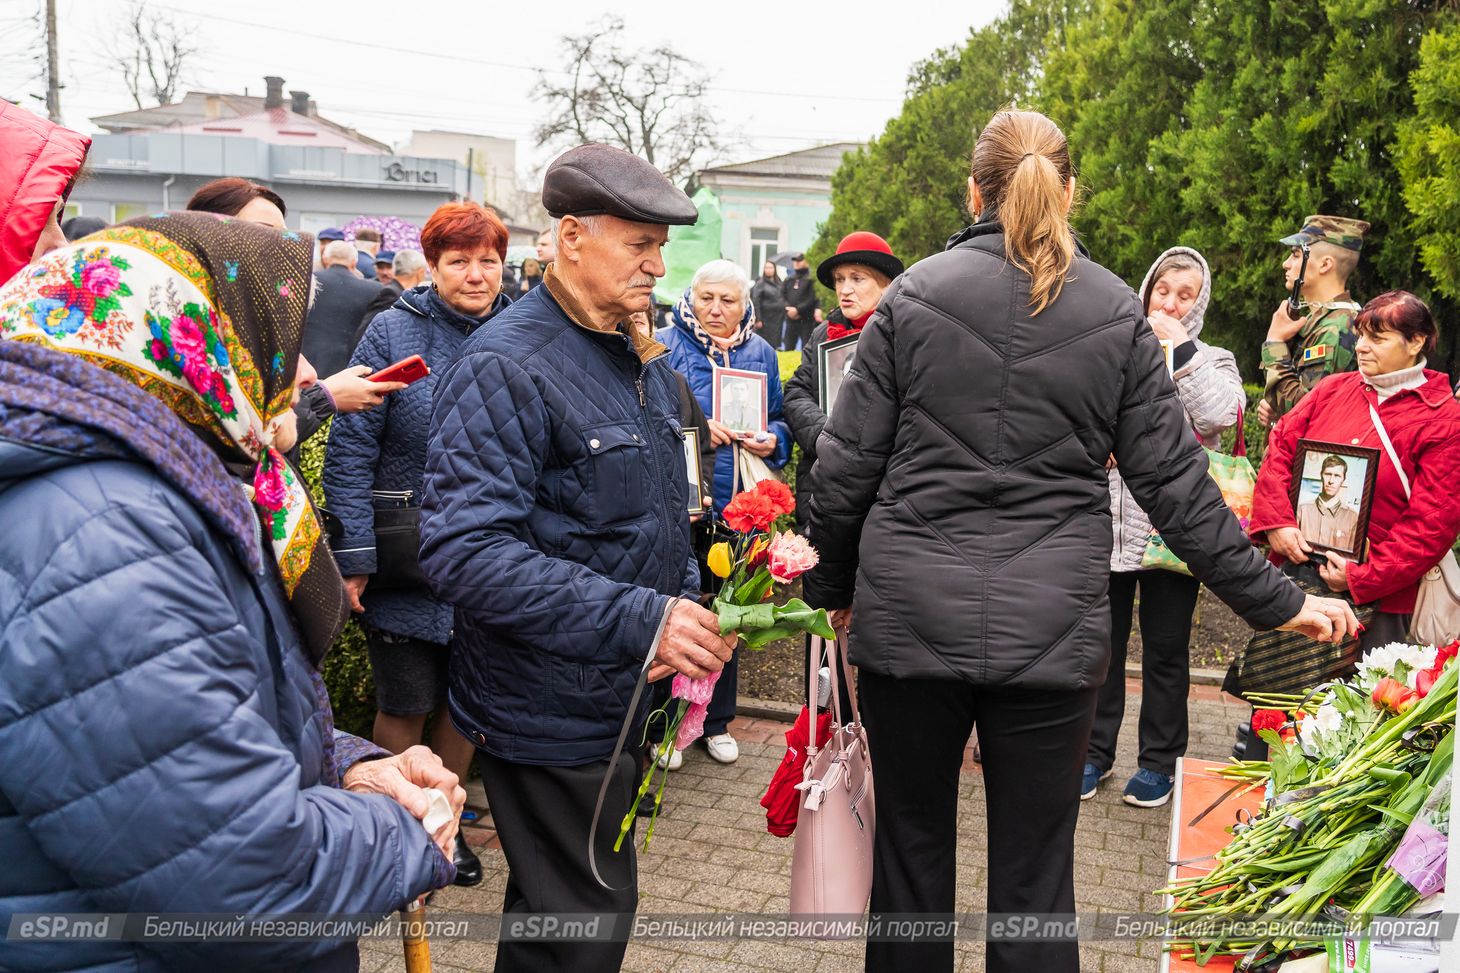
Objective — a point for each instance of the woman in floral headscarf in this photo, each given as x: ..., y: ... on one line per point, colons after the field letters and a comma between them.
x: 165, y: 600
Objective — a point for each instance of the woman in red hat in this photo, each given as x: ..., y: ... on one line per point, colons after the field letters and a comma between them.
x: 860, y: 270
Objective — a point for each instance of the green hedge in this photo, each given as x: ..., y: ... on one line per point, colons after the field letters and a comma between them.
x: 347, y: 667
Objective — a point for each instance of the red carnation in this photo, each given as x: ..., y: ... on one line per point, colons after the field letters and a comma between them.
x: 1268, y: 719
x: 749, y: 511
x: 780, y: 496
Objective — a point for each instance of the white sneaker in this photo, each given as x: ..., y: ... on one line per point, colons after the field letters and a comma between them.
x: 670, y: 758
x: 723, y: 748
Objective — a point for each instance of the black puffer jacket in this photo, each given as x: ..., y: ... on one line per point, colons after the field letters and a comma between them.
x: 802, y: 405
x: 964, y: 474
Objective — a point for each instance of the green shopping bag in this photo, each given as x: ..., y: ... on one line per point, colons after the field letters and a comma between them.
x: 1238, y: 482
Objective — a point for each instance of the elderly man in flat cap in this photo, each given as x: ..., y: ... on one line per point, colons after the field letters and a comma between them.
x: 556, y: 520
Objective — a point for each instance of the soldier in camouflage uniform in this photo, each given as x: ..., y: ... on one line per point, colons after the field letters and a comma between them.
x: 1298, y: 354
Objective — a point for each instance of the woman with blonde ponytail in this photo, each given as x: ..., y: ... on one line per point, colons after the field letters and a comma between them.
x: 960, y: 496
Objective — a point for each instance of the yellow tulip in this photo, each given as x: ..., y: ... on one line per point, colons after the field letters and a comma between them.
x: 719, y: 560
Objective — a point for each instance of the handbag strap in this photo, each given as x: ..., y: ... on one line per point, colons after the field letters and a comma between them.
x: 1389, y: 448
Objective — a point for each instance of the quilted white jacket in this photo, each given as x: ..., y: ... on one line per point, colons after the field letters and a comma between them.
x: 1210, y: 388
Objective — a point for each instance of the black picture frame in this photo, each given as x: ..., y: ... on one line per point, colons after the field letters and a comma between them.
x: 833, y: 359
x: 696, y: 473
x: 1346, y: 535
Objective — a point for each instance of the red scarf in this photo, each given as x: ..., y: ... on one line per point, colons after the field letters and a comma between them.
x: 835, y: 331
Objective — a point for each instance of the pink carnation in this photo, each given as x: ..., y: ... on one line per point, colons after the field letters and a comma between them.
x: 100, y: 279
x: 269, y: 491
x: 791, y: 556
x: 698, y: 692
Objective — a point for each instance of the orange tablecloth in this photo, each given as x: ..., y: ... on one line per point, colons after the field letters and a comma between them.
x: 1196, y: 789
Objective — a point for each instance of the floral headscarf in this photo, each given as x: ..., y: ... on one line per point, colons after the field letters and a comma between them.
x: 205, y: 314
x: 684, y: 316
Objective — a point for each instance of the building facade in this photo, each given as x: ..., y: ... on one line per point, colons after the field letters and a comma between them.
x: 774, y: 205
x: 328, y: 174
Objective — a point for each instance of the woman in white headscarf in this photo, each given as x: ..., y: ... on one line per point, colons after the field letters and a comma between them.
x: 1175, y: 295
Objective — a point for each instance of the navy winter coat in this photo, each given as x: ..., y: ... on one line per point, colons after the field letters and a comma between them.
x: 687, y: 356
x: 555, y: 520
x: 384, y: 450
x: 165, y: 747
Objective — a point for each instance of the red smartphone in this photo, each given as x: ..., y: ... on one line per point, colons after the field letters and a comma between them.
x: 406, y: 370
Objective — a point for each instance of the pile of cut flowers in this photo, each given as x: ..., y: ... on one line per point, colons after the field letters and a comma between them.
x: 1355, y: 819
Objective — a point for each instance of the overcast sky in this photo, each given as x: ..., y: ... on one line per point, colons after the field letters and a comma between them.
x: 784, y: 78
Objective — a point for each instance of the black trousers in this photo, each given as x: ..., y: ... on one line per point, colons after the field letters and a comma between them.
x: 542, y: 816
x: 1033, y: 746
x: 1168, y: 600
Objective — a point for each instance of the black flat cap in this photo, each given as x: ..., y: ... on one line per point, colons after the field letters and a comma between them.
x: 594, y: 179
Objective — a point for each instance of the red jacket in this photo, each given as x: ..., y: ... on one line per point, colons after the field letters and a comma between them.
x: 38, y: 165
x: 1406, y: 537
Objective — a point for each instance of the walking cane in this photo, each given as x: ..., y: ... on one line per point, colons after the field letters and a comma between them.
x: 413, y: 937
x: 415, y: 940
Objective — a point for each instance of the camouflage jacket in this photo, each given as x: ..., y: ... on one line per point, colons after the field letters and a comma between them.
x: 1324, y: 346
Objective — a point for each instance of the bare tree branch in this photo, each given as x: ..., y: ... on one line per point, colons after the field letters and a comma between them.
x: 153, y: 52
x: 649, y: 102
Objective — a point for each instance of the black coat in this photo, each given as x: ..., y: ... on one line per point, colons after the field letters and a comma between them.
x: 960, y: 487
x: 342, y: 308
x: 799, y: 291
x: 802, y: 406
x: 770, y: 303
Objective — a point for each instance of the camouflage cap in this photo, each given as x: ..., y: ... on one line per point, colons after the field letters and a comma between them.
x: 1337, y: 230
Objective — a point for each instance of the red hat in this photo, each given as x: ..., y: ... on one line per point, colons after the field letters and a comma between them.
x: 864, y: 248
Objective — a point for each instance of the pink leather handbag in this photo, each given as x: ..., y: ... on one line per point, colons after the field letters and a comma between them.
x: 831, y: 864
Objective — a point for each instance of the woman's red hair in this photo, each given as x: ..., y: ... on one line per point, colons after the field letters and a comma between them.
x: 1398, y: 311
x: 462, y: 226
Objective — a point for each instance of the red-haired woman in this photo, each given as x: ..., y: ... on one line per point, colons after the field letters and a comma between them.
x: 1415, y: 518
x: 377, y: 460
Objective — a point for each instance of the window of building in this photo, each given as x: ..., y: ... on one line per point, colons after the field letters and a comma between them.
x: 127, y: 211
x: 765, y: 243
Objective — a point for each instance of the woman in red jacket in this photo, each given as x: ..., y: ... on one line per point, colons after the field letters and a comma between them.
x: 38, y: 167
x: 1408, y: 534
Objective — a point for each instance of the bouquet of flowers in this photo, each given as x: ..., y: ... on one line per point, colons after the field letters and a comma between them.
x: 749, y: 566
x: 1354, y: 764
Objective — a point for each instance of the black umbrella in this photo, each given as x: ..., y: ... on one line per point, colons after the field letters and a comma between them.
x: 786, y: 259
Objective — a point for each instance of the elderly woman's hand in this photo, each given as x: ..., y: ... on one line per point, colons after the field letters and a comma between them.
x: 761, y: 448
x: 1289, y: 542
x: 1168, y: 328
x: 1334, y: 571
x: 403, y: 778
x: 720, y: 434
x: 353, y: 392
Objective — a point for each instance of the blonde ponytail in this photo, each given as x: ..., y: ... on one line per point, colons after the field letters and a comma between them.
x: 1021, y: 164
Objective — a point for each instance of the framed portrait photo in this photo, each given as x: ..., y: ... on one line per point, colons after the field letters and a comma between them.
x: 1168, y: 351
x: 740, y: 399
x: 695, y: 474
x: 1332, y: 492
x: 834, y: 359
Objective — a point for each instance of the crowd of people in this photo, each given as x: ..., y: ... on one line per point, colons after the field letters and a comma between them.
x: 513, y: 525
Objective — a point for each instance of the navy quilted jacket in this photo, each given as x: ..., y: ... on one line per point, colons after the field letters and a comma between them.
x: 384, y: 450
x: 555, y: 519
x: 687, y: 356
x: 165, y: 747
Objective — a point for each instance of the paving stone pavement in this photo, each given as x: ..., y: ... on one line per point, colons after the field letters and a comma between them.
x: 711, y: 852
